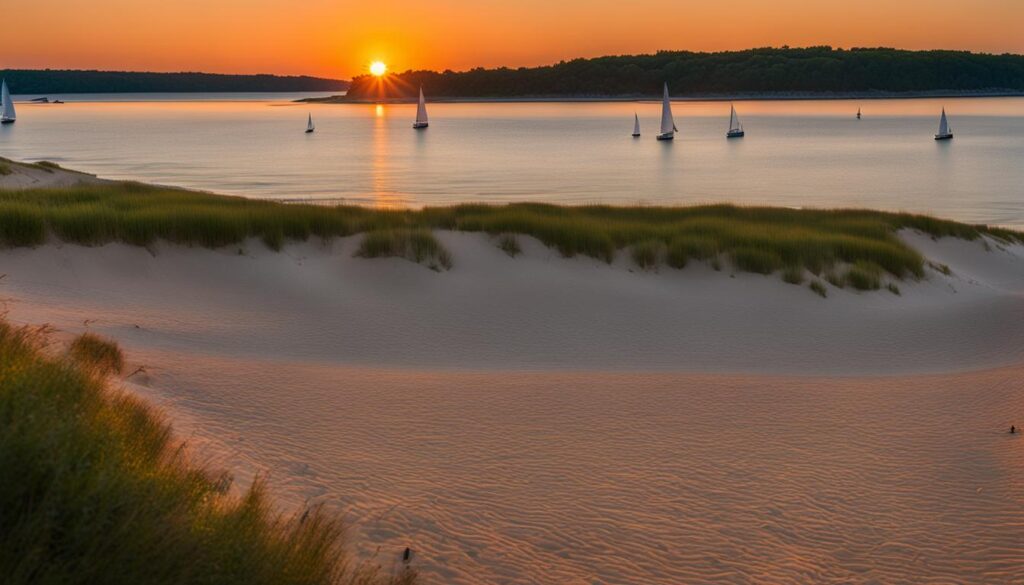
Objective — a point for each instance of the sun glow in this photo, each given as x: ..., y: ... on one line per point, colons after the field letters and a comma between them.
x: 378, y: 68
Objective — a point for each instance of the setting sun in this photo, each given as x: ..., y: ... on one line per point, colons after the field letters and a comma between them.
x: 378, y: 68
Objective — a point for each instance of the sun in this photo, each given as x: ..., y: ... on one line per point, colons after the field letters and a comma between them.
x: 378, y: 68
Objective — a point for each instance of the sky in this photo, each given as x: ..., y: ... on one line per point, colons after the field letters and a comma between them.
x: 340, y: 38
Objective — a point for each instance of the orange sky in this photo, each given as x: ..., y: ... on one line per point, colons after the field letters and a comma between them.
x: 339, y: 38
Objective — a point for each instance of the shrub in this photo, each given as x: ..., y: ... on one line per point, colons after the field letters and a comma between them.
x: 5, y: 169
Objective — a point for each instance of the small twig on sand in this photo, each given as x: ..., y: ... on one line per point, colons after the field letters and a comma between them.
x: 138, y: 370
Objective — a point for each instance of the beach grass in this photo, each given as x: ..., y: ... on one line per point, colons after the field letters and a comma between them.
x: 756, y: 239
x: 95, y: 490
x: 99, y: 353
x: 509, y: 244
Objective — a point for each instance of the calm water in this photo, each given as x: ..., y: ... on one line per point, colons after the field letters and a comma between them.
x: 798, y: 153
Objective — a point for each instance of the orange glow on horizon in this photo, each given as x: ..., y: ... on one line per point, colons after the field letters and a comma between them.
x: 321, y: 37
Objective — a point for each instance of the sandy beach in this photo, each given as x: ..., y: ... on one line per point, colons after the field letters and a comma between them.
x: 543, y: 419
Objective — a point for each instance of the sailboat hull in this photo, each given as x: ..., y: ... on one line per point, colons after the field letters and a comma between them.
x: 7, y: 121
x: 666, y: 136
x: 636, y: 135
x: 735, y: 134
x: 310, y: 131
x: 420, y: 125
x: 944, y: 136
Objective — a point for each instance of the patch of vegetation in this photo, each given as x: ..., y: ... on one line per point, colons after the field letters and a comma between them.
x: 93, y: 351
x: 759, y: 239
x: 793, y: 274
x: 756, y: 260
x: 646, y: 253
x: 893, y: 288
x: 864, y: 275
x: 95, y: 490
x: 835, y: 279
x: 48, y: 166
x: 418, y: 245
x: 509, y: 244
x: 818, y: 288
x: 5, y: 169
x: 940, y: 268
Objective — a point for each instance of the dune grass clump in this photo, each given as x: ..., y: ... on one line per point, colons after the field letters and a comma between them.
x: 647, y: 253
x: 793, y: 274
x: 818, y: 288
x: 95, y: 490
x: 864, y: 275
x: 418, y: 245
x: 756, y: 260
x: 92, y: 351
x: 5, y: 169
x: 893, y: 288
x: 510, y: 245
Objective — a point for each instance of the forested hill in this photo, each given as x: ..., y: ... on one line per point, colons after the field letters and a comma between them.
x: 51, y: 81
x: 768, y: 70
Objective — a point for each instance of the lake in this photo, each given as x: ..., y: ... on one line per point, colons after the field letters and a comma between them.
x: 796, y: 153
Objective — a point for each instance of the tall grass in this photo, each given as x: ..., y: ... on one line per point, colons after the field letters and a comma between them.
x: 94, y: 490
x: 92, y: 351
x: 760, y: 239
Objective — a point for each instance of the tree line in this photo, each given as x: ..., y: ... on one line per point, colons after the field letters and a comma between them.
x: 52, y: 81
x: 764, y: 70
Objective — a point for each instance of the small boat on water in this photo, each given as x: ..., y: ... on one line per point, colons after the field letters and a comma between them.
x: 421, y: 113
x: 735, y: 128
x: 636, y: 125
x: 945, y: 131
x: 309, y: 125
x: 40, y: 100
x: 7, y: 115
x: 668, y: 124
x: 858, y: 113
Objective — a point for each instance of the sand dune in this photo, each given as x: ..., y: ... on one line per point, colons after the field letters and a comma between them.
x: 29, y: 176
x: 550, y: 420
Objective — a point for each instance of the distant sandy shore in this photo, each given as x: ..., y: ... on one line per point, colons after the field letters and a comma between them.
x: 34, y: 176
x: 779, y: 96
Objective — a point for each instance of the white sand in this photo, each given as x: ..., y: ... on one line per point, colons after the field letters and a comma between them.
x: 451, y: 411
x: 25, y: 176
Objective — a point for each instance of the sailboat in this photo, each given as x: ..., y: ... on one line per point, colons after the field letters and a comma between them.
x: 735, y: 128
x: 668, y: 124
x: 945, y: 132
x: 858, y: 113
x: 636, y: 125
x: 421, y: 113
x: 7, y: 115
x: 309, y: 125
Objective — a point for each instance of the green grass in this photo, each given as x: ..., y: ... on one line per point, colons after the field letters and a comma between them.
x: 864, y: 275
x: 5, y: 169
x: 758, y: 239
x: 418, y: 245
x: 647, y: 253
x: 510, y: 245
x: 793, y: 274
x: 818, y: 288
x: 95, y: 490
x: 93, y: 351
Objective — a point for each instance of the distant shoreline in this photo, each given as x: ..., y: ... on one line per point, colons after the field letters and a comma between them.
x: 779, y: 96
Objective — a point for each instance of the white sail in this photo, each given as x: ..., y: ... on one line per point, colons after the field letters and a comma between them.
x: 943, y: 124
x: 421, y: 109
x: 734, y: 120
x: 6, y: 103
x: 668, y: 124
x: 309, y: 125
x: 636, y: 124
